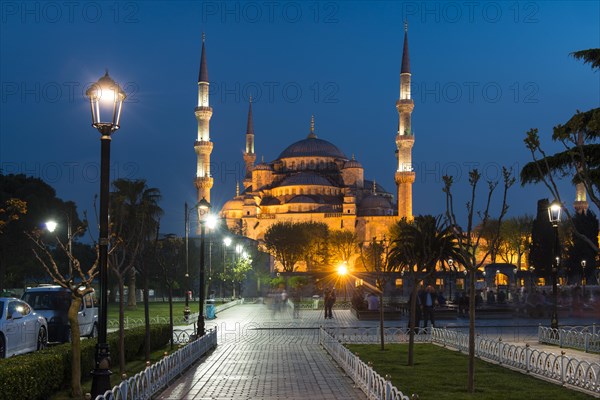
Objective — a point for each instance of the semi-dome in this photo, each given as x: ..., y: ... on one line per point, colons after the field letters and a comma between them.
x: 233, y: 205
x: 374, y: 202
x: 302, y: 199
x: 263, y: 166
x: 352, y: 164
x: 305, y: 178
x: 312, y: 147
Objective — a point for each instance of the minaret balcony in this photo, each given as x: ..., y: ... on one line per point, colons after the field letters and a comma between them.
x: 204, y: 112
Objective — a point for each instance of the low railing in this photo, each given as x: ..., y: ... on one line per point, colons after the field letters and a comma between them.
x: 558, y: 368
x: 363, y: 375
x: 586, y: 338
x: 156, y: 377
x: 364, y: 335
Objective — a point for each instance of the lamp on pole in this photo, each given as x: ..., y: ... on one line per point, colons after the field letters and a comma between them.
x: 583, y: 278
x: 203, y: 210
x: 554, y: 215
x: 451, y: 271
x: 106, y: 101
x: 51, y: 226
x: 186, y: 310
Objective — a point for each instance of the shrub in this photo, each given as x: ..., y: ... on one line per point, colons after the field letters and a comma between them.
x: 37, y: 375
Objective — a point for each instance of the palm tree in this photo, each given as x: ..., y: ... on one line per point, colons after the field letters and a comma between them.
x: 417, y: 247
x: 134, y: 215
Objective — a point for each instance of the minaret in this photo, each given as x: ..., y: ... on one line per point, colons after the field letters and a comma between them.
x: 405, y: 175
x: 203, y: 146
x: 249, y: 156
x: 311, y: 134
x: 581, y: 203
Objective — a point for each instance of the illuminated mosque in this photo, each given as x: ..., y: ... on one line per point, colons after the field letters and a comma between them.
x: 311, y: 179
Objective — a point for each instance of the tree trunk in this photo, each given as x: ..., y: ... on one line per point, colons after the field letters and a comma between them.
x: 147, y: 317
x: 121, y: 326
x: 75, y: 347
x: 131, y: 300
x: 411, y: 325
x: 171, y: 313
x: 471, y: 369
x: 381, y: 313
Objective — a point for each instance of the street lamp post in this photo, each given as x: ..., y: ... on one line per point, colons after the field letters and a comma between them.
x: 51, y: 227
x: 106, y: 101
x: 186, y: 310
x: 451, y: 271
x: 203, y: 210
x: 583, y: 279
x: 554, y: 215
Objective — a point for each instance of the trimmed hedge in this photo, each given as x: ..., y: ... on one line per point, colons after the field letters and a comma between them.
x: 39, y: 374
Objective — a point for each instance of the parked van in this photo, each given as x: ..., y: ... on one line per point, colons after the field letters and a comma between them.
x: 53, y: 302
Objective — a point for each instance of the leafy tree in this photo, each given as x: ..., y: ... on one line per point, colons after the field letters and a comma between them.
x: 513, y: 242
x: 237, y: 272
x: 315, y: 251
x: 10, y: 210
x: 168, y: 254
x: 515, y: 238
x: 417, y: 247
x: 343, y: 245
x: 285, y: 241
x: 580, y: 158
x: 18, y: 267
x: 469, y: 241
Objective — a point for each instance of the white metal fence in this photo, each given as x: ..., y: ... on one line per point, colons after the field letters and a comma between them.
x: 586, y: 338
x: 156, y: 377
x: 558, y: 368
x: 363, y: 375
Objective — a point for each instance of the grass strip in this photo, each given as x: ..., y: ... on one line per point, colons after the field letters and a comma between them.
x: 441, y: 374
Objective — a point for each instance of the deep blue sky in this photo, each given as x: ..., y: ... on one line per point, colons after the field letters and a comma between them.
x: 483, y: 75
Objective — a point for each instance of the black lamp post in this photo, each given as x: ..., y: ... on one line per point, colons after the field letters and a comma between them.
x: 203, y: 210
x: 554, y: 215
x: 106, y: 101
x: 451, y: 272
x: 583, y: 278
x: 186, y: 310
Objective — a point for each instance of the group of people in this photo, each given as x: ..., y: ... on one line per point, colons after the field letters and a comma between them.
x: 427, y: 299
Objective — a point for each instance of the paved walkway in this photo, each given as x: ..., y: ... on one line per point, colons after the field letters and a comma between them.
x: 267, y: 355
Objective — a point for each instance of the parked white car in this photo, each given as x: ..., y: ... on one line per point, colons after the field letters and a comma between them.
x: 22, y: 330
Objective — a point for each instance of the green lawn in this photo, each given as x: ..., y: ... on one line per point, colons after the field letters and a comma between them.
x: 157, y: 309
x: 441, y: 374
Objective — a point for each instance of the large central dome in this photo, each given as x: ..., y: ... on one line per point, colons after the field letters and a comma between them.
x: 312, y: 147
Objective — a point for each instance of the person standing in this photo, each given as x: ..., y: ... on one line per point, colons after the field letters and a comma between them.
x: 428, y: 300
x: 329, y: 302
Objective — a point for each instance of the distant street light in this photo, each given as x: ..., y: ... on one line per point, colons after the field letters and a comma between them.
x: 51, y: 227
x: 554, y: 215
x: 106, y: 101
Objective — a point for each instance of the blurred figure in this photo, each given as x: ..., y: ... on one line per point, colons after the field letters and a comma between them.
x: 372, y: 302
x: 329, y: 302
